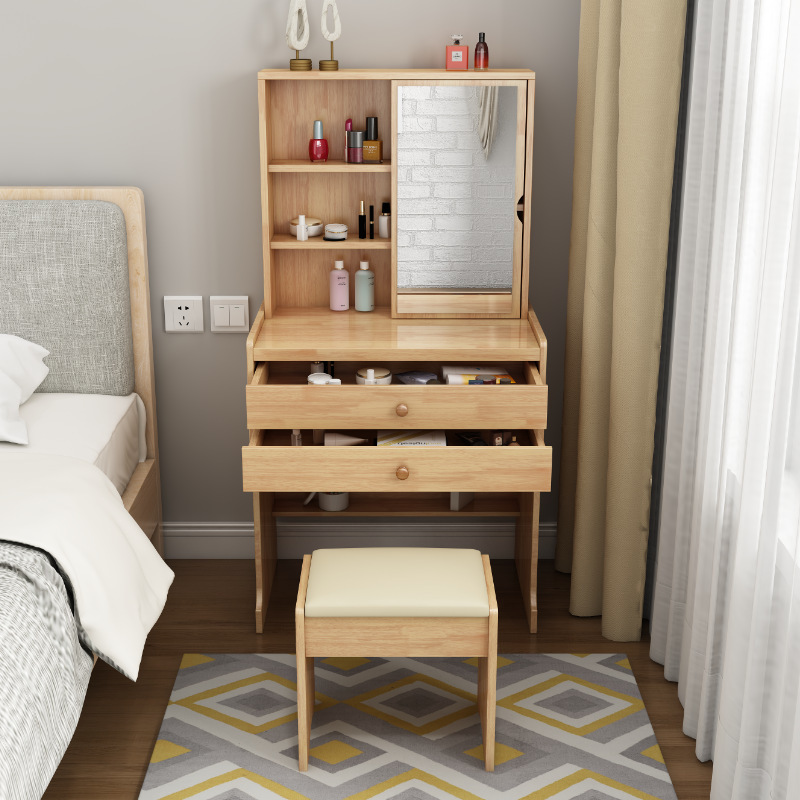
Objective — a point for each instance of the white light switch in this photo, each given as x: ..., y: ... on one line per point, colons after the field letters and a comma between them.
x: 229, y: 313
x: 222, y: 316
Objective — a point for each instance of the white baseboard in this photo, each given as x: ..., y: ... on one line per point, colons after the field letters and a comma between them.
x: 299, y: 536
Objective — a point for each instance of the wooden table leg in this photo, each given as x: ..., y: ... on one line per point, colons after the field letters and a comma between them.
x: 266, y: 553
x: 527, y: 553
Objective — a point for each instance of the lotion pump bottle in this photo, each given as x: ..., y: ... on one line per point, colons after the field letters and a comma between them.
x: 340, y: 287
x: 302, y: 228
x: 365, y: 288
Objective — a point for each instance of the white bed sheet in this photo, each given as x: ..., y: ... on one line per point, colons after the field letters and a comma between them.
x: 104, y: 430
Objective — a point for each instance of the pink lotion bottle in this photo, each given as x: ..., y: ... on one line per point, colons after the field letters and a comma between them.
x: 340, y: 287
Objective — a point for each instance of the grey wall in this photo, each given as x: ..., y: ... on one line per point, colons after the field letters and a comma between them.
x: 162, y: 94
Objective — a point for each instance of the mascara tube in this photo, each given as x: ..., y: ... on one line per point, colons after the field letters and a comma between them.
x: 372, y: 222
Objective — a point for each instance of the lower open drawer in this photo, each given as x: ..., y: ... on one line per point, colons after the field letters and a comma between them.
x: 268, y: 468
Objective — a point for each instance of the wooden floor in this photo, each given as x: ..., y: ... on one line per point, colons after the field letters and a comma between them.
x: 210, y: 610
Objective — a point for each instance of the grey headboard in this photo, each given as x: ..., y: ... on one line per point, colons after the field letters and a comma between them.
x: 64, y: 285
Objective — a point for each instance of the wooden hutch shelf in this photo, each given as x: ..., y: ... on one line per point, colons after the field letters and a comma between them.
x: 331, y: 165
x: 285, y: 241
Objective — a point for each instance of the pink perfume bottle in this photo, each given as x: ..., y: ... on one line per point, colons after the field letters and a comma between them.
x: 340, y: 287
x: 318, y: 147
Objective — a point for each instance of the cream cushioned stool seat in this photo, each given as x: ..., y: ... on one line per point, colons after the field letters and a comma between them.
x: 397, y: 582
x: 396, y: 601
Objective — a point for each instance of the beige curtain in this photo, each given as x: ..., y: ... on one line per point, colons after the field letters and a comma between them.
x: 629, y: 75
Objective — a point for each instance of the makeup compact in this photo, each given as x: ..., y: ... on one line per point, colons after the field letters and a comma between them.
x: 381, y: 377
x: 335, y: 231
x: 314, y: 225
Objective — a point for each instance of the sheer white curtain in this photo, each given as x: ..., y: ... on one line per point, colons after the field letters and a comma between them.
x: 726, y: 612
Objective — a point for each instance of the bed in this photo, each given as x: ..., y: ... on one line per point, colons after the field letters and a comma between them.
x: 81, y: 575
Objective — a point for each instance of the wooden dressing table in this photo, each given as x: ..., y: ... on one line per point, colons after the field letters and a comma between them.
x: 409, y: 329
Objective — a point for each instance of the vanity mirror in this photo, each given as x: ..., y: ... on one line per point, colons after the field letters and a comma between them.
x: 459, y: 193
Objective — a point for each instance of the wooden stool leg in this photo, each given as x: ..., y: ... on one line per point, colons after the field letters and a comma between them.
x: 303, y: 719
x: 487, y: 699
x: 305, y: 673
x: 487, y: 675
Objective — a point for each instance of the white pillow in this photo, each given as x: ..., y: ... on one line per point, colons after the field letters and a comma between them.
x: 22, y: 362
x: 12, y: 428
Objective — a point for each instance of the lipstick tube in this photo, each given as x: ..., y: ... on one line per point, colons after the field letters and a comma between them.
x: 362, y: 223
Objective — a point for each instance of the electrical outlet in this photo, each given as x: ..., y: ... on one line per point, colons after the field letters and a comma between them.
x: 183, y: 314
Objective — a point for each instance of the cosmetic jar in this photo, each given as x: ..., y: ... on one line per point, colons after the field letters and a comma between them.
x: 383, y: 376
x: 355, y: 147
x: 333, y: 501
x: 315, y: 226
x: 335, y: 231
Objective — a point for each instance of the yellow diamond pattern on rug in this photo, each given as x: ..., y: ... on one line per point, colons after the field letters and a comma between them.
x: 568, y: 728
x: 164, y: 750
x: 334, y: 752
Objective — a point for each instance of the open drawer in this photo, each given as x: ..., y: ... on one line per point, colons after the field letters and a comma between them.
x: 271, y: 468
x: 278, y: 399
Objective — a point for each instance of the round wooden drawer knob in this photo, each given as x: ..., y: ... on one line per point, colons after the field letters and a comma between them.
x: 402, y: 473
x: 402, y: 410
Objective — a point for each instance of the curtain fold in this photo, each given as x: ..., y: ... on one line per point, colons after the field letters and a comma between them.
x: 629, y: 75
x: 726, y: 611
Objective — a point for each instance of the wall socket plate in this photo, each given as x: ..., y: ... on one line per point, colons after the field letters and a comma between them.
x: 183, y: 314
x: 229, y: 313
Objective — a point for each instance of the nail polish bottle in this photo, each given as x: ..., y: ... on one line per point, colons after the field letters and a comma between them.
x: 355, y: 147
x: 365, y: 288
x: 318, y: 147
x: 362, y: 223
x: 481, y: 53
x: 385, y: 222
x: 373, y: 147
x: 340, y: 287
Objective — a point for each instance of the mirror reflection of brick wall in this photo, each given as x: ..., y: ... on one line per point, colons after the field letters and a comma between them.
x: 455, y: 206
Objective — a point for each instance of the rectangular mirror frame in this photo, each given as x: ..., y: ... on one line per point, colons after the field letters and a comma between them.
x: 480, y: 304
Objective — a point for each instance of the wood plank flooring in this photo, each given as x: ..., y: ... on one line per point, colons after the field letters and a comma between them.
x: 210, y: 609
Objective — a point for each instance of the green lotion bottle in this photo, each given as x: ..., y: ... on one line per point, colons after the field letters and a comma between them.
x: 365, y: 288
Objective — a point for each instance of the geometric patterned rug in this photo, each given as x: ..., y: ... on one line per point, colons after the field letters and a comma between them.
x: 569, y: 727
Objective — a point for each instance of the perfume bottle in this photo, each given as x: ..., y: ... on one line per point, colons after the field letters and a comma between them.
x: 481, y: 53
x: 317, y: 146
x: 457, y: 53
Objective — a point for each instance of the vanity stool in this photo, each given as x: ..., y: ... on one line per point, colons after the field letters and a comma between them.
x: 396, y: 601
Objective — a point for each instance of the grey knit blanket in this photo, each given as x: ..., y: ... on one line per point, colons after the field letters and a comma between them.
x: 44, y: 671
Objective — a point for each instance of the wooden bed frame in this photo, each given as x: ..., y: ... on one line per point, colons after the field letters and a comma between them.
x: 142, y: 496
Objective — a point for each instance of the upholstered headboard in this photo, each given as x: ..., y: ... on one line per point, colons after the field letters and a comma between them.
x: 64, y: 285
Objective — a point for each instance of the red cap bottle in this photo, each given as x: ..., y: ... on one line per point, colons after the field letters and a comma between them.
x: 318, y: 147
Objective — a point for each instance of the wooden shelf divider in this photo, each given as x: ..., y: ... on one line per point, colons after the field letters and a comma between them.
x: 430, y: 504
x: 332, y: 165
x: 285, y: 241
